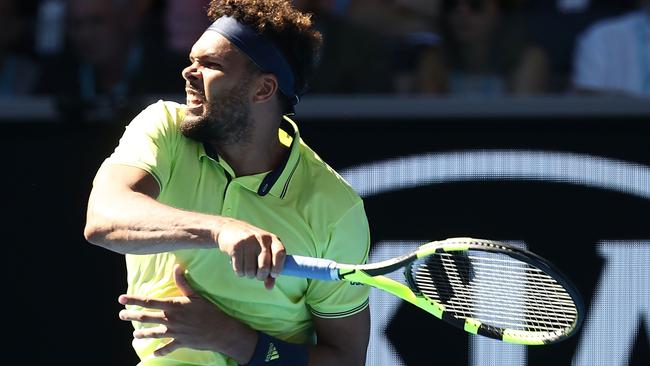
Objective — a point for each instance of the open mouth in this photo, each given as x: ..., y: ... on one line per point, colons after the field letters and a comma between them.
x: 194, y: 101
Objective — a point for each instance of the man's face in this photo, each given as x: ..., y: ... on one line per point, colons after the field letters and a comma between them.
x: 218, y: 84
x: 472, y: 20
x: 95, y: 30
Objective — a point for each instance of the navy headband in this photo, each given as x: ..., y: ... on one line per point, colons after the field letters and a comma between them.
x: 260, y: 50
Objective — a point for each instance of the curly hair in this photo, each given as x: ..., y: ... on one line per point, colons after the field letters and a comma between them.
x: 289, y: 29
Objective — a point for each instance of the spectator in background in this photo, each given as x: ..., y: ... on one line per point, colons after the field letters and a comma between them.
x: 484, y: 51
x: 353, y: 58
x: 555, y: 25
x: 185, y: 21
x: 109, y: 62
x: 613, y: 56
x: 406, y: 27
x: 19, y: 73
x: 390, y: 17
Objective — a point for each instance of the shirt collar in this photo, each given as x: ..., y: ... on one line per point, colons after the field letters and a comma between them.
x: 276, y: 181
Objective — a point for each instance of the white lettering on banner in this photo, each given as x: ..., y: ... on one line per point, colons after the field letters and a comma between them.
x: 485, y: 351
x: 384, y: 305
x: 494, y: 165
x: 507, y: 165
x: 620, y: 306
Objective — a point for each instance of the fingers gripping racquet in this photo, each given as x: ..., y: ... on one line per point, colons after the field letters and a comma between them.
x: 482, y: 286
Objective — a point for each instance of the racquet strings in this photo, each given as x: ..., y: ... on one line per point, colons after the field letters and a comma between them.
x: 495, y: 289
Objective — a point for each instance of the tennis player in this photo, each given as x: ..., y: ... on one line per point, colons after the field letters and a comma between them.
x: 205, y: 200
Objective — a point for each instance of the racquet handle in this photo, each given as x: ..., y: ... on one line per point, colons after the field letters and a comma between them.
x: 308, y: 267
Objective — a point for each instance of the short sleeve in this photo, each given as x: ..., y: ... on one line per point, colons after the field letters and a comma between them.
x: 149, y: 141
x: 349, y: 243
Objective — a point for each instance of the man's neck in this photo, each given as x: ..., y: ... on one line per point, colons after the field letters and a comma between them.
x: 262, y: 153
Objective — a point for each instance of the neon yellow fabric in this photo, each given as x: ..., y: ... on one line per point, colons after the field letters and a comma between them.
x: 310, y: 208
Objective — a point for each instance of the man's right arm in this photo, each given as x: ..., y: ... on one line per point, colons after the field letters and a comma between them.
x: 125, y: 217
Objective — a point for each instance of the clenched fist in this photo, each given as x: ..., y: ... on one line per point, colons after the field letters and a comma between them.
x: 254, y: 253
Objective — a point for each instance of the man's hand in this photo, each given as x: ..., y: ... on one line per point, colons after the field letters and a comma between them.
x: 254, y: 253
x: 191, y: 321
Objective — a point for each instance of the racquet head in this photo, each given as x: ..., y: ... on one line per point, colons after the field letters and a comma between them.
x: 496, y: 290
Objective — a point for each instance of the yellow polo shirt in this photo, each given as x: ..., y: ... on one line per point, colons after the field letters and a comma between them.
x: 304, y: 202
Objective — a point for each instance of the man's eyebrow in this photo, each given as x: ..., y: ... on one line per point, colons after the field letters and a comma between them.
x: 217, y: 56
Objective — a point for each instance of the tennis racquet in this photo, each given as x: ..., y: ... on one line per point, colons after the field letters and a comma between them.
x: 482, y: 286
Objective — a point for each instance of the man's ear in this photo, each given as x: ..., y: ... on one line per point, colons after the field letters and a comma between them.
x: 266, y: 86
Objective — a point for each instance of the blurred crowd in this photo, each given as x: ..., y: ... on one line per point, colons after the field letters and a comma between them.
x: 95, y: 56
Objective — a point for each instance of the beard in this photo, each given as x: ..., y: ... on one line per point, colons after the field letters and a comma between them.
x: 225, y: 119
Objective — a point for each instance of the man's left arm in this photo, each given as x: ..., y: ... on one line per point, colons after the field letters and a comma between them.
x: 340, y: 311
x: 341, y: 341
x: 192, y: 321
